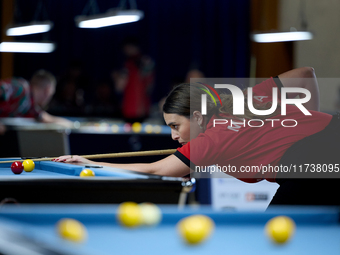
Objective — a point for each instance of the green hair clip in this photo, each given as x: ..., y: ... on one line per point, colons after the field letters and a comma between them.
x: 208, y: 92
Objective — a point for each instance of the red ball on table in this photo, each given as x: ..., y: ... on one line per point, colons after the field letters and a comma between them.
x: 17, y: 167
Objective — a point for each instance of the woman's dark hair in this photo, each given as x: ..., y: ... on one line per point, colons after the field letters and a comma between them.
x: 185, y: 98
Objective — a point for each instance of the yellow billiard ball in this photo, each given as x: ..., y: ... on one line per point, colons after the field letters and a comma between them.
x: 280, y: 229
x: 148, y: 129
x: 136, y: 127
x: 151, y: 214
x: 157, y: 129
x: 28, y: 165
x: 87, y: 173
x: 196, y: 228
x: 71, y: 230
x: 129, y: 214
x: 115, y: 128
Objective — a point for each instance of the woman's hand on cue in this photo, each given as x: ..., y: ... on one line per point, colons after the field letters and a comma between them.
x: 72, y: 159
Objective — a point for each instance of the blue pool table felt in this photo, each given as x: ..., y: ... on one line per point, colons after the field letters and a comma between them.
x: 48, y: 169
x: 317, y: 232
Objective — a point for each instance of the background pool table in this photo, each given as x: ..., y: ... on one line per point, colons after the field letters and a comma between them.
x: 28, y: 138
x: 317, y: 231
x: 53, y: 182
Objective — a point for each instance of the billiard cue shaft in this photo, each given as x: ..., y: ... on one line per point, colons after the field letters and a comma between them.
x: 110, y: 155
x: 131, y: 154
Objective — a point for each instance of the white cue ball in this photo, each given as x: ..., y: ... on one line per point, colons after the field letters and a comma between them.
x: 151, y: 214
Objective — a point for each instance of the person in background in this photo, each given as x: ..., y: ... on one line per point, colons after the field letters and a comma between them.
x: 105, y: 102
x: 74, y: 91
x: 20, y: 98
x: 135, y: 82
x: 193, y: 73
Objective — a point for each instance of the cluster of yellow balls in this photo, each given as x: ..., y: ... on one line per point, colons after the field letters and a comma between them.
x: 131, y: 214
x: 193, y: 229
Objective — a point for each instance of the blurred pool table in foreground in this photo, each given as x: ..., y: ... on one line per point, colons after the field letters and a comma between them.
x: 33, y: 227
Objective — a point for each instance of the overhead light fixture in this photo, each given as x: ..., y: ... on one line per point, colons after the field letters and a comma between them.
x: 282, y: 36
x: 293, y: 35
x: 120, y: 15
x: 27, y: 47
x: 109, y: 18
x: 29, y: 28
x: 40, y: 23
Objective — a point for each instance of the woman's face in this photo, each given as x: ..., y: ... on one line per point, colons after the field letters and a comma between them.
x: 182, y: 128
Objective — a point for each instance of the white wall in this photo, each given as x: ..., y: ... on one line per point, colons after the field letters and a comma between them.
x: 323, y: 52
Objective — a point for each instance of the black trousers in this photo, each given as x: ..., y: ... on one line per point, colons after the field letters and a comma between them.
x: 321, y: 148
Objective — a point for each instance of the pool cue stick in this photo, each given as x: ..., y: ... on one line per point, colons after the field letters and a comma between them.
x: 109, y: 155
x: 131, y: 154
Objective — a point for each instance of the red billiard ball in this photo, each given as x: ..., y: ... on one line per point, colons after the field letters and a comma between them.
x: 17, y: 167
x: 127, y: 127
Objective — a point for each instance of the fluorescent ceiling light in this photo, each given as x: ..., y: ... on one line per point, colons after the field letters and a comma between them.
x: 282, y: 37
x: 30, y: 28
x: 27, y: 47
x: 109, y: 18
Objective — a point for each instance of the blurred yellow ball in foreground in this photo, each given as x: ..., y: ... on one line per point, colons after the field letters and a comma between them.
x: 151, y: 214
x: 280, y: 229
x: 195, y: 229
x: 72, y: 230
x: 129, y: 214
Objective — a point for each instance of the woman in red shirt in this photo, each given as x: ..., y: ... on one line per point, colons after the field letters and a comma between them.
x: 242, y: 147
